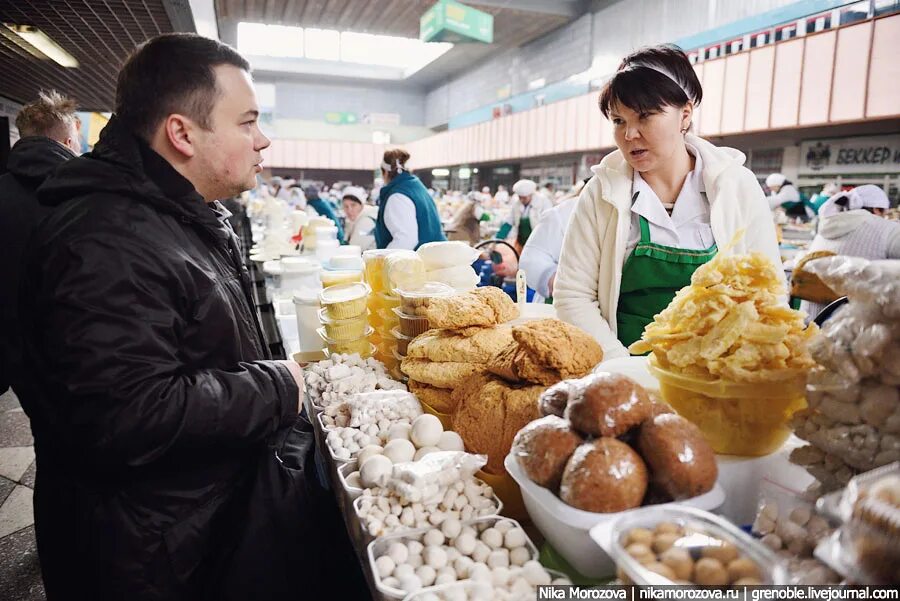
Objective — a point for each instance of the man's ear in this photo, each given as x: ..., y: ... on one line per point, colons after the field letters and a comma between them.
x: 180, y: 132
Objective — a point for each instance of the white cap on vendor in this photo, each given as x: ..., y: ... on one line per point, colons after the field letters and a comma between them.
x: 867, y: 196
x: 775, y: 180
x: 524, y: 187
x: 356, y: 193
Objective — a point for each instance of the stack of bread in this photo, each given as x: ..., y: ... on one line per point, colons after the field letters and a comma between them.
x: 604, y: 446
x: 487, y: 374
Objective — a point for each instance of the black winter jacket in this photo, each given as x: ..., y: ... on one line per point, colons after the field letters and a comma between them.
x: 31, y: 160
x: 151, y: 394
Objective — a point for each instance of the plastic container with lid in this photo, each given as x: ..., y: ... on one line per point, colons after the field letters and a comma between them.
x: 698, y: 532
x: 299, y: 273
x: 411, y: 325
x: 462, y: 277
x: 332, y: 277
x: 736, y: 418
x: 325, y: 250
x: 383, y: 300
x: 361, y: 345
x: 326, y: 232
x: 403, y: 269
x: 414, y: 302
x: 340, y: 262
x: 567, y: 529
x: 350, y: 251
x: 344, y: 300
x: 402, y: 341
x: 306, y: 305
x: 344, y: 329
x: 374, y: 260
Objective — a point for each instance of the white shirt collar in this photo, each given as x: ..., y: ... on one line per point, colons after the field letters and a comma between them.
x: 689, y: 204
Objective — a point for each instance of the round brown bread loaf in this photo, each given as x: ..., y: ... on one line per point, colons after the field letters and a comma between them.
x: 604, y: 476
x: 607, y: 405
x: 543, y: 447
x: 681, y: 462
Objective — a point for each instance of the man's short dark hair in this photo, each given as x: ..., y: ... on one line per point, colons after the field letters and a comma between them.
x: 644, y: 89
x: 171, y: 73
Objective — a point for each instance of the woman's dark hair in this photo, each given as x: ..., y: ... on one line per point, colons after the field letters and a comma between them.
x: 395, y: 157
x: 172, y: 73
x: 644, y: 89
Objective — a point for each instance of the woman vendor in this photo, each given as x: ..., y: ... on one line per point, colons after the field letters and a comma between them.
x: 407, y: 215
x: 657, y: 208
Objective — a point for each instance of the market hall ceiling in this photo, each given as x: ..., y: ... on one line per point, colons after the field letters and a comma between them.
x: 98, y: 33
x: 516, y: 22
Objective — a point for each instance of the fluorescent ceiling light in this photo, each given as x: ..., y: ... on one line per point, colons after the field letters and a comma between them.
x: 537, y: 83
x: 407, y: 54
x: 45, y: 46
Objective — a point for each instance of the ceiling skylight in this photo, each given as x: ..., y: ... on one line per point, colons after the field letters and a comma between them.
x: 408, y: 54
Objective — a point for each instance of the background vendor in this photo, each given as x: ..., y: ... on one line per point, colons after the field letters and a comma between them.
x: 407, y: 215
x: 525, y: 214
x: 657, y: 208
x: 322, y: 208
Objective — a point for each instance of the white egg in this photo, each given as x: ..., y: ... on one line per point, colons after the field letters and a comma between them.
x: 384, y: 565
x: 451, y: 441
x: 400, y: 431
x: 366, y: 452
x: 433, y: 538
x: 399, y: 450
x: 375, y: 471
x: 514, y: 538
x: 426, y: 431
x: 398, y: 552
x: 424, y: 451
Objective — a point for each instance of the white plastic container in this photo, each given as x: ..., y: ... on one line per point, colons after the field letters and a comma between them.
x: 327, y: 232
x: 325, y: 250
x: 351, y: 493
x: 306, y: 307
x: 298, y: 273
x: 380, y: 546
x: 567, y: 529
x: 350, y: 250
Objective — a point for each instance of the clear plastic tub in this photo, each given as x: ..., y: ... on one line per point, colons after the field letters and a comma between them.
x: 700, y: 533
x: 340, y: 330
x: 374, y: 261
x: 403, y: 269
x: 736, y: 418
x: 345, y: 300
x: 350, y: 492
x: 568, y: 529
x: 360, y: 345
x: 402, y: 341
x: 340, y: 276
x: 384, y: 301
x: 380, y: 546
x: 411, y: 325
x: 415, y: 302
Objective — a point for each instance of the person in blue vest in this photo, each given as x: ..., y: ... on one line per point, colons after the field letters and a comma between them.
x: 323, y: 208
x: 407, y: 215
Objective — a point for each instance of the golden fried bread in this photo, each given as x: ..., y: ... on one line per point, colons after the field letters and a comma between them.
x: 439, y: 399
x: 448, y: 345
x: 485, y: 306
x: 489, y: 413
x: 555, y: 344
x: 446, y: 374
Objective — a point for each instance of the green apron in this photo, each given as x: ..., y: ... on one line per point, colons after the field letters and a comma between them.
x: 524, y: 230
x: 651, y: 277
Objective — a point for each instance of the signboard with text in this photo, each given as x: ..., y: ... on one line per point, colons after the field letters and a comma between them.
x: 839, y: 156
x: 450, y: 21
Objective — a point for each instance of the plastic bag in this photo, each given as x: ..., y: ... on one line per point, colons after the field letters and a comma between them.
x: 403, y: 269
x: 461, y: 277
x: 438, y: 255
x: 427, y: 479
x: 863, y: 281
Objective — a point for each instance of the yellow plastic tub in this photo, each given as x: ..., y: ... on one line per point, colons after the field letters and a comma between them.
x: 348, y: 347
x: 344, y: 300
x: 374, y: 267
x: 508, y: 491
x: 340, y: 276
x: 384, y: 301
x: 343, y: 329
x: 736, y: 418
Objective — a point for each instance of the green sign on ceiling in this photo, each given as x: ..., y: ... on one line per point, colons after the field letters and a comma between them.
x: 450, y: 21
x: 341, y: 118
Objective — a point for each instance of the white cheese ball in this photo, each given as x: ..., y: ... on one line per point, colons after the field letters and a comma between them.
x: 535, y: 573
x: 398, y: 553
x: 426, y: 431
x: 404, y: 570
x: 435, y: 557
x: 498, y: 559
x: 445, y: 576
x: 492, y: 538
x: 399, y: 431
x: 481, y: 552
x: 391, y: 582
x: 451, y: 528
x: 462, y: 566
x: 481, y: 572
x: 366, y: 452
x: 410, y: 584
x: 433, y: 538
x: 399, y: 450
x: 424, y: 451
x: 375, y: 471
x: 500, y: 576
x: 465, y: 543
x: 415, y: 547
x: 514, y: 538
x: 414, y: 560
x: 451, y: 441
x: 384, y: 565
x: 519, y: 556
x: 426, y: 575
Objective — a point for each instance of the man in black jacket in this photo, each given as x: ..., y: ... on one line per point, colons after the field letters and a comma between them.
x: 48, y: 130
x: 151, y: 393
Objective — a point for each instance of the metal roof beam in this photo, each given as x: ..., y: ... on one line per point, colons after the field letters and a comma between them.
x: 563, y: 8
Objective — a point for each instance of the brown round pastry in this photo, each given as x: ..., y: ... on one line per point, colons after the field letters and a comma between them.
x: 553, y: 401
x: 607, y: 405
x: 604, y: 476
x: 543, y: 447
x: 681, y: 462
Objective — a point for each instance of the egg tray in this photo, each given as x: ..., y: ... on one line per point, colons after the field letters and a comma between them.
x: 368, y: 537
x: 379, y: 547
